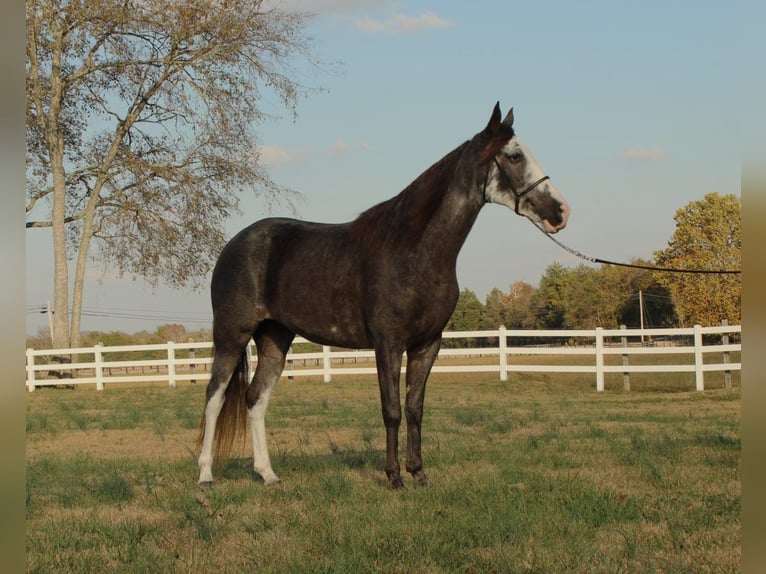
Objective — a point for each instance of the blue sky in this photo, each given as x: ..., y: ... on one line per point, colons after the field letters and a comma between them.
x: 632, y: 108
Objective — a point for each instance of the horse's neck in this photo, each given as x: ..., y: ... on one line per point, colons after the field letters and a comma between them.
x: 432, y: 215
x: 452, y: 222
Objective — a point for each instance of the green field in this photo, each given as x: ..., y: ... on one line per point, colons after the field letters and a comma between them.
x: 538, y: 474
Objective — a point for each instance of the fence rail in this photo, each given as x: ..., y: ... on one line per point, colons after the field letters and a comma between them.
x: 61, y: 369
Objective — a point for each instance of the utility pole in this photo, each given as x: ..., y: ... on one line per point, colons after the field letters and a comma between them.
x: 641, y: 312
x: 50, y: 319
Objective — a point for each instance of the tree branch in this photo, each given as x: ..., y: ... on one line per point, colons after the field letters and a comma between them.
x: 70, y: 219
x: 37, y: 197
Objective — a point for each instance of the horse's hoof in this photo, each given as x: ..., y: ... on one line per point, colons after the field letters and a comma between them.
x: 205, y: 484
x: 396, y: 482
x: 419, y: 477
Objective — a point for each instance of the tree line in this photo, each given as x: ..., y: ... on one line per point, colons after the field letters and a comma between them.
x: 580, y: 297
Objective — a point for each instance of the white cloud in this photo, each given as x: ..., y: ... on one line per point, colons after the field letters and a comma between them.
x: 644, y: 153
x: 274, y: 154
x: 346, y: 11
x: 401, y: 24
x: 340, y: 148
x: 326, y: 6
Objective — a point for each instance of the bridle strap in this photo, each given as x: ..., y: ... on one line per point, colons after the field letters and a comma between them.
x: 517, y: 194
x: 526, y: 190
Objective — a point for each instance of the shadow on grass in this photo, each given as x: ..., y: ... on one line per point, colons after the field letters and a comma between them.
x: 338, y: 458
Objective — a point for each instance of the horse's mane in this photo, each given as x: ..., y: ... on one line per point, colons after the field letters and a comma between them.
x: 403, y: 218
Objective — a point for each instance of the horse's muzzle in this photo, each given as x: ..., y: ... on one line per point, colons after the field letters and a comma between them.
x: 563, y: 217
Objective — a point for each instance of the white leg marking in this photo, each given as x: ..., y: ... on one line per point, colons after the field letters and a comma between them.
x: 257, y: 416
x: 205, y: 460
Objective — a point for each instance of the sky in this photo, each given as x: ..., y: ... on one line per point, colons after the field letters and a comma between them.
x: 632, y: 108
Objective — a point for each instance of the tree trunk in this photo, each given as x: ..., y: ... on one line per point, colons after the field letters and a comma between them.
x: 55, y: 144
x: 82, y: 260
x: 61, y: 271
x: 78, y: 287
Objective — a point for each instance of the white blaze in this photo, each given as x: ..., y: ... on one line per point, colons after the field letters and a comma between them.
x: 532, y: 173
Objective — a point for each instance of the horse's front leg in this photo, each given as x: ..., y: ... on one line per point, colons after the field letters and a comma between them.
x: 419, y: 363
x: 389, y: 364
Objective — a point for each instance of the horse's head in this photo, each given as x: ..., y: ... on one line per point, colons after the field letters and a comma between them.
x: 514, y: 178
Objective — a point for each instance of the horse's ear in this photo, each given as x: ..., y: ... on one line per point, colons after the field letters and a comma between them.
x: 508, y: 121
x: 494, y: 122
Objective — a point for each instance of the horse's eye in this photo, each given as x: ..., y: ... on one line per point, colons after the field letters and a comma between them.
x: 516, y: 157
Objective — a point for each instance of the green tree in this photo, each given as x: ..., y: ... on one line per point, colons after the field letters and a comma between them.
x: 519, y: 299
x: 606, y: 296
x: 139, y: 130
x: 114, y: 339
x: 586, y: 297
x: 654, y: 299
x: 708, y: 235
x: 582, y: 297
x: 467, y: 316
x: 549, y: 302
x: 172, y: 332
x: 495, y: 310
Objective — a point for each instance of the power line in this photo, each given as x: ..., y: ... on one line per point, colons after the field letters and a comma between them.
x: 136, y: 314
x: 141, y: 316
x: 653, y: 297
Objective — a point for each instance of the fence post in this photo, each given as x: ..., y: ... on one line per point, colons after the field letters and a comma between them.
x: 599, y: 359
x: 699, y: 375
x: 192, y: 366
x: 30, y: 370
x: 326, y: 363
x: 625, y: 374
x: 725, y: 341
x: 503, y: 346
x: 291, y: 362
x: 99, y: 360
x: 171, y: 365
x: 249, y: 359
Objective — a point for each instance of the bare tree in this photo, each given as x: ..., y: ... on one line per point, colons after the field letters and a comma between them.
x: 140, y: 119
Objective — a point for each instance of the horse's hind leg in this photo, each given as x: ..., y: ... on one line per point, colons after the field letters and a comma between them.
x: 272, y: 341
x: 225, y: 363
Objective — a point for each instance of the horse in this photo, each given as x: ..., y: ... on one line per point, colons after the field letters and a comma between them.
x: 385, y: 281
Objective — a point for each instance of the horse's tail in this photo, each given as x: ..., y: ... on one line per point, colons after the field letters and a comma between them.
x: 232, y: 420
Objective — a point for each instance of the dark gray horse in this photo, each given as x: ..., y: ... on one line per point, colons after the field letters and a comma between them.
x: 385, y: 281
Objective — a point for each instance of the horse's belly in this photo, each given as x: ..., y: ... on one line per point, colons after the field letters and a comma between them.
x: 336, y: 336
x: 324, y: 310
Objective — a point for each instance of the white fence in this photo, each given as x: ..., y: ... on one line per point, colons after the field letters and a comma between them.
x: 596, y: 345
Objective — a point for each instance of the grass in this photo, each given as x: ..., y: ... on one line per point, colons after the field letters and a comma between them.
x: 538, y: 474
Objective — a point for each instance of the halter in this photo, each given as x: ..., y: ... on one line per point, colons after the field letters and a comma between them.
x: 517, y: 194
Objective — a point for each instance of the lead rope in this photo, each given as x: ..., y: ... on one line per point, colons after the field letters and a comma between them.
x: 633, y: 265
